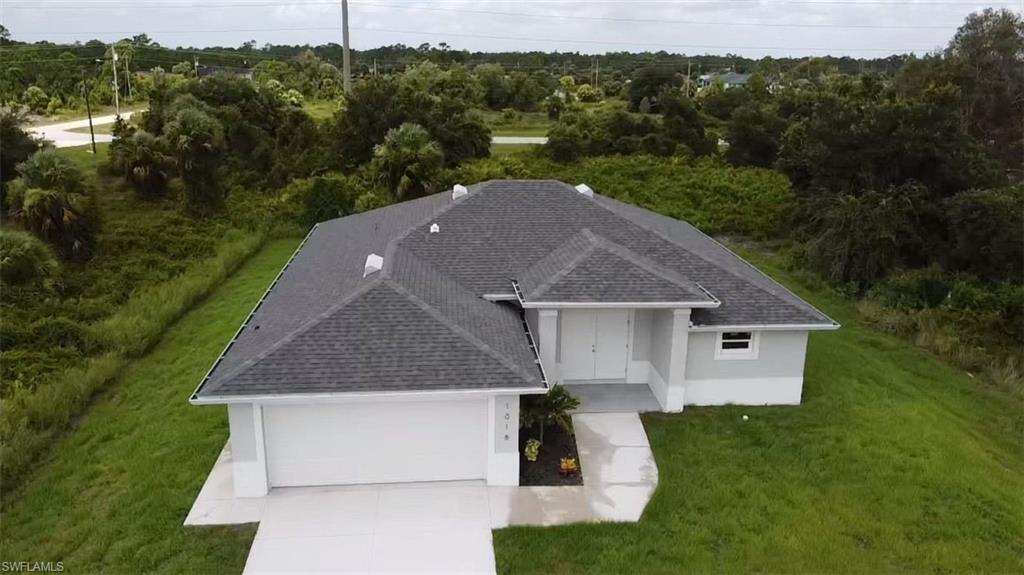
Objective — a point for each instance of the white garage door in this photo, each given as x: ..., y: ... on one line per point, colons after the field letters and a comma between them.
x: 382, y: 442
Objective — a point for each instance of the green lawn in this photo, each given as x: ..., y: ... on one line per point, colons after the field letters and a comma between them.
x: 101, y: 129
x: 895, y: 462
x: 505, y: 149
x: 114, y: 493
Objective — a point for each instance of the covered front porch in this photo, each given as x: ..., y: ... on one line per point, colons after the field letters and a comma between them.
x: 613, y: 397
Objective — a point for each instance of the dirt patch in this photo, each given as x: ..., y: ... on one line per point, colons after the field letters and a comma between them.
x: 545, y: 471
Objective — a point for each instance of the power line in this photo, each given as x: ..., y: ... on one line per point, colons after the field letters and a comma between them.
x: 670, y: 21
x: 734, y: 3
x: 494, y: 37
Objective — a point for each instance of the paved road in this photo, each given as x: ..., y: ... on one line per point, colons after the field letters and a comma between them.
x: 519, y: 140
x: 62, y: 136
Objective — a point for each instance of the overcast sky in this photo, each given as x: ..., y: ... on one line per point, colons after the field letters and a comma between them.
x: 754, y: 28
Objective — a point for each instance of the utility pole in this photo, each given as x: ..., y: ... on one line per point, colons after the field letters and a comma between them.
x: 117, y: 101
x: 374, y: 66
x: 597, y: 71
x: 128, y: 80
x: 346, y: 60
x: 688, y: 78
x: 88, y: 111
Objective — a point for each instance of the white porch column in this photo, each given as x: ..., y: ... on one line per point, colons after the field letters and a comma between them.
x: 676, y: 382
x: 547, y: 326
x: 503, y: 440
x: 248, y: 453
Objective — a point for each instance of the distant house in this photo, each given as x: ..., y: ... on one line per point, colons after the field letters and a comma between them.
x: 203, y: 71
x: 395, y: 345
x: 728, y: 79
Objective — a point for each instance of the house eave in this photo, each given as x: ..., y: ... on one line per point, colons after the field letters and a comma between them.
x: 356, y: 396
x: 767, y: 327
x: 622, y: 304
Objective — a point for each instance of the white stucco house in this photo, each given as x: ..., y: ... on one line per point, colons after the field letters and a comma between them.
x: 395, y: 344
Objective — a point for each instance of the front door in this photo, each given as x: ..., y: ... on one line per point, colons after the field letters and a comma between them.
x: 594, y: 344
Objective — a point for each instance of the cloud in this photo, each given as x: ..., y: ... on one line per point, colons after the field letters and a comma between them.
x: 754, y: 28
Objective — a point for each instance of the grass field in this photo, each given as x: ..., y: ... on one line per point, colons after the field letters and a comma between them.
x: 114, y: 493
x: 894, y: 463
x: 504, y: 149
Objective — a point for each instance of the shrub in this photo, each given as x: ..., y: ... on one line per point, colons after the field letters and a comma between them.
x: 565, y: 143
x: 861, y: 238
x: 49, y: 169
x: 532, y: 449
x: 25, y: 260
x: 35, y: 99
x: 18, y: 144
x: 588, y: 93
x: 54, y: 106
x: 987, y: 229
x: 323, y: 197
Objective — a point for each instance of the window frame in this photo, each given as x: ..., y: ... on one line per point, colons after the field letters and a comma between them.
x: 750, y: 352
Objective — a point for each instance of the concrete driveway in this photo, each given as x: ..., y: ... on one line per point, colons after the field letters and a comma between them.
x: 411, y: 528
x: 441, y: 527
x: 62, y: 136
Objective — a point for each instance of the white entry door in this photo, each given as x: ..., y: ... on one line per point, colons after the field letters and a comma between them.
x: 594, y: 344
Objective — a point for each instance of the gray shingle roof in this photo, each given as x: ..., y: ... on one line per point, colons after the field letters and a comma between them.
x: 421, y: 323
x: 588, y: 268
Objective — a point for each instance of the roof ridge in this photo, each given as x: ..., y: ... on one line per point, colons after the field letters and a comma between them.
x: 592, y: 241
x: 709, y: 262
x: 303, y: 328
x: 456, y: 328
x: 652, y: 267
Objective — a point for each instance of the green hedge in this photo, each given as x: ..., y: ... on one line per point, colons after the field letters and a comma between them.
x: 31, y: 418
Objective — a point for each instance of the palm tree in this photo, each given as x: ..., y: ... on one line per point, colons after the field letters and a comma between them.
x: 196, y: 140
x: 409, y: 161
x: 142, y: 161
x: 53, y: 217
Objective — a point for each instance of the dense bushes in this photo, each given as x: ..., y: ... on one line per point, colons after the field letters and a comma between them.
x: 717, y: 198
x: 615, y: 131
x: 421, y: 96
x: 25, y: 260
x: 31, y: 415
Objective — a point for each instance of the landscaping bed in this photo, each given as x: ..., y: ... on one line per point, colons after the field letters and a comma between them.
x: 558, y: 443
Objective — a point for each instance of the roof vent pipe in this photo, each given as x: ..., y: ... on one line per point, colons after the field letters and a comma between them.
x: 434, y: 228
x: 458, y: 190
x: 374, y: 263
x: 585, y: 190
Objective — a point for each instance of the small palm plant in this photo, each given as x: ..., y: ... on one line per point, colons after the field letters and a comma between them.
x: 554, y: 407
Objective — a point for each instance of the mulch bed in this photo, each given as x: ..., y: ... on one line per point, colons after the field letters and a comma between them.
x: 545, y: 471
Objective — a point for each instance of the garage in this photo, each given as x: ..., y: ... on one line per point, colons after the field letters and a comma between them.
x: 376, y: 442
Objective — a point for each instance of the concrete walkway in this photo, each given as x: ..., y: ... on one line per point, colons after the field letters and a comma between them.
x: 441, y: 527
x: 62, y: 136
